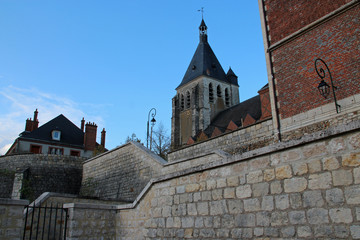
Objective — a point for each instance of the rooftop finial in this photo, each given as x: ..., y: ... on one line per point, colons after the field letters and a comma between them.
x: 202, y: 12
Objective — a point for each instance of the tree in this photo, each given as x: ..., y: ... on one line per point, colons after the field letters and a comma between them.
x: 133, y: 138
x: 161, y: 141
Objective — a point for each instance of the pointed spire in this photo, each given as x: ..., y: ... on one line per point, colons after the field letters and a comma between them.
x: 203, y: 31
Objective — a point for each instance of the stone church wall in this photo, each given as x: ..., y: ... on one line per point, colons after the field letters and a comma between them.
x: 244, y: 139
x: 40, y: 173
x: 300, y: 189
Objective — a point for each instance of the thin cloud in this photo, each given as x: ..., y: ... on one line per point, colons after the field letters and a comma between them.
x: 20, y: 104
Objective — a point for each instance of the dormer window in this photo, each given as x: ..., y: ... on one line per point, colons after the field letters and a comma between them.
x: 55, y: 135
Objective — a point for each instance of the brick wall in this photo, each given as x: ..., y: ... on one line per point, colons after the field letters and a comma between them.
x: 336, y: 42
x: 286, y: 17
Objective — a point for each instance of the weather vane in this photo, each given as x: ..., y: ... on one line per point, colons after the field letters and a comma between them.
x: 202, y: 12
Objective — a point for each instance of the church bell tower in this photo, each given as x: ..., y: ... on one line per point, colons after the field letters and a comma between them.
x: 204, y: 91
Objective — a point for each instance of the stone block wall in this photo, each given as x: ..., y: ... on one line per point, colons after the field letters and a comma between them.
x: 6, y: 179
x: 121, y: 173
x: 308, y: 190
x: 11, y: 218
x: 244, y: 139
x: 41, y: 173
x: 91, y: 222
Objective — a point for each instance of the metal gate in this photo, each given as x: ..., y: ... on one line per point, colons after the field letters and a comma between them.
x: 45, y: 222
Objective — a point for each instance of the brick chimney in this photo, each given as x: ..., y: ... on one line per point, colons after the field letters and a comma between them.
x: 31, y: 125
x: 90, y: 136
x: 35, y: 122
x: 82, y: 124
x: 103, y: 133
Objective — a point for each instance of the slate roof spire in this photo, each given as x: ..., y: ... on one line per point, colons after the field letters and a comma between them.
x: 203, y: 31
x: 204, y: 61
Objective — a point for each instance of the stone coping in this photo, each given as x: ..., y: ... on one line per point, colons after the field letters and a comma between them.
x: 90, y: 206
x: 138, y: 146
x: 13, y: 202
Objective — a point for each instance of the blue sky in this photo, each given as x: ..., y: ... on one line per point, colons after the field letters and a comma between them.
x: 112, y: 61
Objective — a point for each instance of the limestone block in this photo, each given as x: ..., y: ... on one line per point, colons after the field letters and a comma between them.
x: 341, y: 215
x: 291, y: 155
x: 210, y: 184
x: 180, y: 189
x: 207, y: 233
x: 320, y: 181
x: 314, y: 166
x: 351, y: 160
x: 263, y: 219
x: 236, y: 233
x: 304, y: 231
x: 191, y: 209
x: 283, y: 172
x: 206, y: 196
x: 323, y: 231
x: 295, y: 200
x: 229, y: 193
x: 356, y: 175
x: 203, y: 208
x: 314, y: 150
x: 282, y: 201
x: 227, y: 221
x: 297, y: 217
x: 313, y: 199
x: 199, y: 222
x: 260, y: 189
x: 222, y: 233
x: 269, y: 174
x: 279, y: 218
x: 218, y: 207
x: 337, y: 145
x: 288, y: 231
x: 300, y: 168
x: 245, y: 220
x: 217, y: 194
x: 251, y: 205
x: 330, y: 163
x: 267, y: 203
x: 355, y: 231
x: 235, y: 206
x: 233, y: 181
x: 342, y: 177
x: 318, y: 216
x: 194, y: 187
x: 187, y: 222
x: 243, y: 191
x: 255, y: 177
x: 271, y: 232
x: 334, y: 196
x: 352, y: 194
x: 295, y: 185
x: 354, y: 141
x: 220, y: 183
x: 258, y: 231
x: 341, y: 231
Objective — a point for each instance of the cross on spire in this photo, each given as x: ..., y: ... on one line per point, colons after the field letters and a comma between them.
x: 202, y: 12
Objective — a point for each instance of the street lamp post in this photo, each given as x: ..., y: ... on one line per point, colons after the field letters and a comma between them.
x: 153, y: 121
x: 323, y: 87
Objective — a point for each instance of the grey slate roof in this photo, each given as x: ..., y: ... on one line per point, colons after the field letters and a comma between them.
x: 70, y: 133
x: 251, y: 106
x: 203, y: 63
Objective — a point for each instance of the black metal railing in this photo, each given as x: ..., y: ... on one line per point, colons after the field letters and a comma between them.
x: 47, y: 222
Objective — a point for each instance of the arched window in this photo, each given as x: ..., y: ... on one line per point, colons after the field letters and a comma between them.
x: 211, y: 93
x: 188, y: 99
x: 182, y: 104
x: 218, y: 91
x: 227, y: 97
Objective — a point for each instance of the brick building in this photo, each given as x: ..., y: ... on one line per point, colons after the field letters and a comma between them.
x: 59, y: 136
x: 296, y: 33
